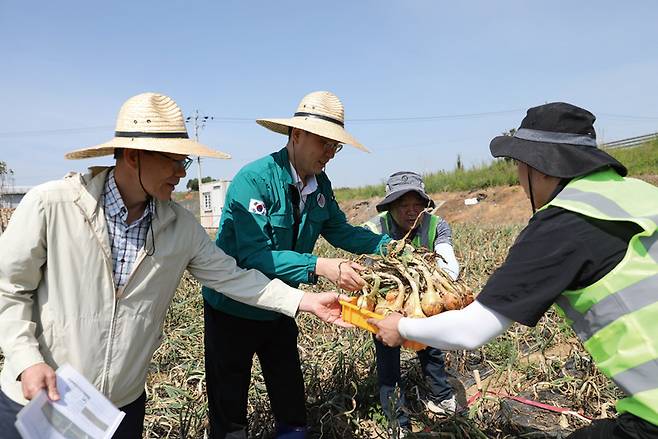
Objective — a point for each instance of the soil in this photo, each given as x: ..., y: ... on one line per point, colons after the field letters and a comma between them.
x: 497, y: 205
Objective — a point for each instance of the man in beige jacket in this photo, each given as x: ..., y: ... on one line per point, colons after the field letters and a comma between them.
x: 90, y: 264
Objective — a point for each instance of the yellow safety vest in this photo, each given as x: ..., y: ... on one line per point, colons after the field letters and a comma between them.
x: 617, y: 317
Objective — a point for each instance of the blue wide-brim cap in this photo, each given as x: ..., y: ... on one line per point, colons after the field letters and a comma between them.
x: 399, y: 192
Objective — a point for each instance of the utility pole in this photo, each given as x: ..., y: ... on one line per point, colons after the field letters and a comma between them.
x: 199, y: 124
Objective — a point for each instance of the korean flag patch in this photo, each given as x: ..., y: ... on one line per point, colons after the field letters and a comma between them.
x: 257, y: 207
x: 321, y: 200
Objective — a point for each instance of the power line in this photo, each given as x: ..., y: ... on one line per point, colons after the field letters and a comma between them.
x: 227, y: 119
x: 233, y: 119
x: 438, y: 117
x: 395, y: 119
x: 54, y: 131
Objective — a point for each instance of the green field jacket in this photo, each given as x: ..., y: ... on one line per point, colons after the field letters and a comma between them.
x: 256, y: 228
x: 617, y: 317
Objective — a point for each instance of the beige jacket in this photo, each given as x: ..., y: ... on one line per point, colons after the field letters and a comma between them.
x: 57, y: 298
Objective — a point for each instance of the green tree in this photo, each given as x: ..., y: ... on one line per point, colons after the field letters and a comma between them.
x: 193, y: 183
x: 460, y: 165
x: 5, y: 174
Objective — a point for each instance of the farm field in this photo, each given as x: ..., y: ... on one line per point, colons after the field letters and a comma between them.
x: 546, y: 364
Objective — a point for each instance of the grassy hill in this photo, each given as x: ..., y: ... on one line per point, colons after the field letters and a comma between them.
x: 640, y: 160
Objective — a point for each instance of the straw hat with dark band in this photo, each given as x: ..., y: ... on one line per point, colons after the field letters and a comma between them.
x: 150, y: 122
x: 319, y: 113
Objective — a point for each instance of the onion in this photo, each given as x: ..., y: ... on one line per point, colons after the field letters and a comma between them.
x: 431, y: 302
x: 412, y: 306
x: 451, y: 301
x: 365, y: 302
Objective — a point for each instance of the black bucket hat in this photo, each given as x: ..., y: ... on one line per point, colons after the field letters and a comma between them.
x: 399, y: 184
x: 557, y: 139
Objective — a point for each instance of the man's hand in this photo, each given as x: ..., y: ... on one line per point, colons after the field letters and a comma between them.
x: 341, y: 272
x: 387, y: 330
x: 325, y: 306
x: 37, y: 377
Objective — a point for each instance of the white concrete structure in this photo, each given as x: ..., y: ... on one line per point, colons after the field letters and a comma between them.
x: 212, y: 196
x: 12, y: 195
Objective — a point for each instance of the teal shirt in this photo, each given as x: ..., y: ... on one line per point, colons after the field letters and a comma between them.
x: 265, y: 241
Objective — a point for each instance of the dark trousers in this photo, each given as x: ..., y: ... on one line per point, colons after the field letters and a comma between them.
x: 131, y: 426
x: 432, y: 363
x: 230, y: 345
x: 625, y: 426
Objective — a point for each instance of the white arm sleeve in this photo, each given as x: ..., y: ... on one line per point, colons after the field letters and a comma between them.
x: 450, y: 266
x: 468, y: 328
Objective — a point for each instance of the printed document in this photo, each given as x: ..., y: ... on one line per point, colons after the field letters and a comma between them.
x: 81, y: 413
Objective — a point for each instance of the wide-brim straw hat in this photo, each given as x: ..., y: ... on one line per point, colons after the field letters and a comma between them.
x: 150, y: 122
x: 557, y: 139
x: 321, y: 113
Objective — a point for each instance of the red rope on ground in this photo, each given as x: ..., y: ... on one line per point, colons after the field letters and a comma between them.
x: 530, y: 402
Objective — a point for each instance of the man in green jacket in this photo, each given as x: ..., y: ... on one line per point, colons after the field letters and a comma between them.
x: 275, y: 210
x: 591, y: 248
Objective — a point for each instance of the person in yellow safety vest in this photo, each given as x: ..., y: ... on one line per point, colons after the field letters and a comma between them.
x: 403, y: 204
x: 591, y: 248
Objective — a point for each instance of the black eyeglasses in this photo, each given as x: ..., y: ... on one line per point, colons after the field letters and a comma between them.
x: 331, y: 146
x: 183, y: 163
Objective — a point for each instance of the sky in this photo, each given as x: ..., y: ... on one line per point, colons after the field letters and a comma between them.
x: 422, y: 81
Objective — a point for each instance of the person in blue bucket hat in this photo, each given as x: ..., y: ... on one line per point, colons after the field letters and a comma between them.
x: 403, y: 213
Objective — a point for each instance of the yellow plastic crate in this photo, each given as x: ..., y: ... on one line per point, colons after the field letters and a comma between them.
x: 359, y: 317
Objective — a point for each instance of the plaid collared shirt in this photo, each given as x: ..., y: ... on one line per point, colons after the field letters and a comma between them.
x: 125, y: 239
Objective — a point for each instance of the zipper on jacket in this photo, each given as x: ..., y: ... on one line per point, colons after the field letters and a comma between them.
x: 117, y: 296
x: 140, y: 258
x: 110, y: 271
x: 108, y: 349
